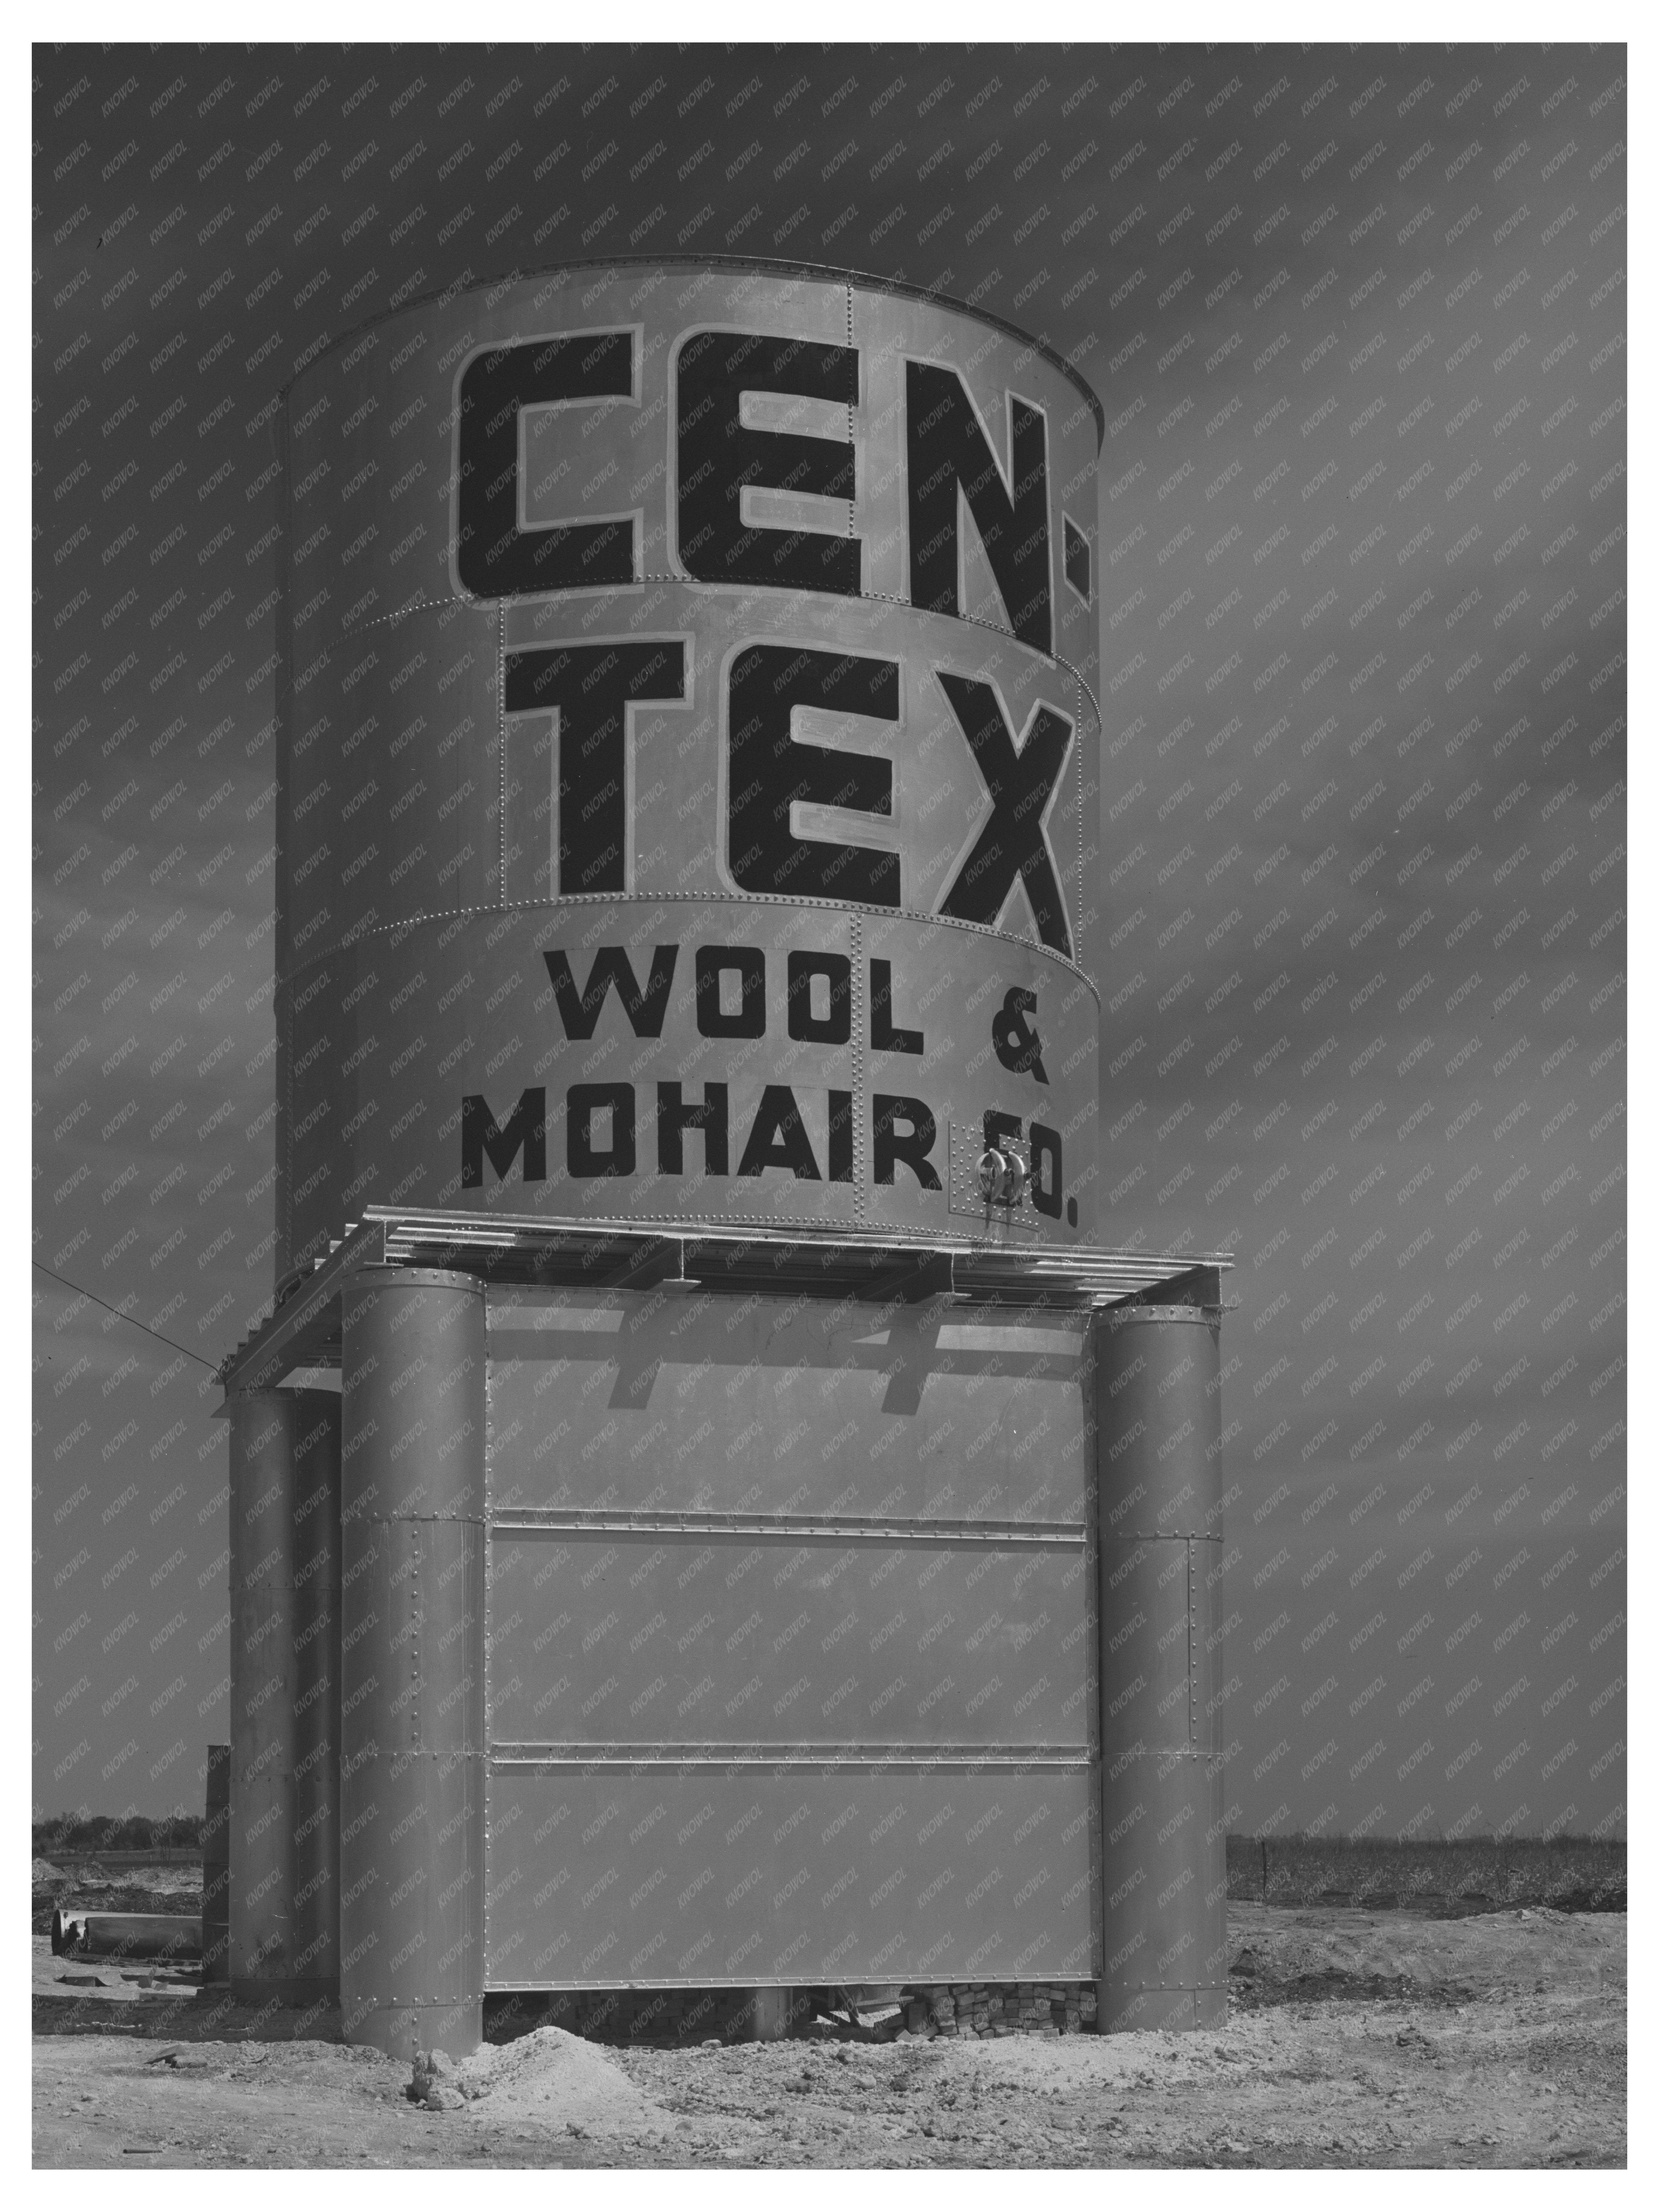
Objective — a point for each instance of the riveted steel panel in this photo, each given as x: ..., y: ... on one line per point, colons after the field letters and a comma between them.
x: 818, y: 1573
x: 409, y: 1679
x: 411, y: 1873
x: 807, y: 1132
x: 371, y: 841
x: 678, y: 754
x: 1148, y: 1637
x: 372, y: 427
x: 1160, y: 1421
x: 693, y: 1402
x: 704, y: 1876
x: 998, y: 368
x: 1207, y: 1644
x: 835, y: 675
x: 413, y: 1374
x: 392, y: 806
x: 1164, y: 1876
x: 653, y: 1634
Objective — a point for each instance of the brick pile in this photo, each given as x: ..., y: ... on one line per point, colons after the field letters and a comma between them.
x: 975, y: 2009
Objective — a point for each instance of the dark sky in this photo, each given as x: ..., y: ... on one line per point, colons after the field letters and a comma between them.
x: 1357, y: 317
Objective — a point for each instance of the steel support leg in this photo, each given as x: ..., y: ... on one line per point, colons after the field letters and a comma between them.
x: 215, y: 1867
x: 284, y: 1695
x: 412, y: 1706
x: 1158, y: 1430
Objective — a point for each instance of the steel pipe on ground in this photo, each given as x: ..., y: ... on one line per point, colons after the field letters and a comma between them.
x: 126, y: 1934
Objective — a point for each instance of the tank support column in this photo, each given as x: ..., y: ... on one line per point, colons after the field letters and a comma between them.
x: 284, y: 1695
x: 412, y: 1704
x: 1158, y: 1438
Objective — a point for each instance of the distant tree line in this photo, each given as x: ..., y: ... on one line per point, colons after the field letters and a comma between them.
x: 106, y: 1831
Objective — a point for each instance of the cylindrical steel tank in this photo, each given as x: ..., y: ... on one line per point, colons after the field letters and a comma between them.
x: 284, y: 1692
x: 1159, y: 1440
x: 689, y: 766
x: 688, y: 760
x: 412, y: 1704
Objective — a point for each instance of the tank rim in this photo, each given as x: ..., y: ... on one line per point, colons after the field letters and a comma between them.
x: 820, y: 269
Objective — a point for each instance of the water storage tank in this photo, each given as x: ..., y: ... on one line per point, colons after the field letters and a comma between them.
x: 688, y: 763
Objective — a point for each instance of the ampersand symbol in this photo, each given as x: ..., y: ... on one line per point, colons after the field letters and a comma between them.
x: 1017, y: 1046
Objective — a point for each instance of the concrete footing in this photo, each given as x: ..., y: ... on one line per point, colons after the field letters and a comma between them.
x: 772, y: 2014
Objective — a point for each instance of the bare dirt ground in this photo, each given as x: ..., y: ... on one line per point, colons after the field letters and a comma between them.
x: 1355, y: 2038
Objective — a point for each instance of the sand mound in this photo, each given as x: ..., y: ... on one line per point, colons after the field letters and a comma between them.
x: 553, y: 2076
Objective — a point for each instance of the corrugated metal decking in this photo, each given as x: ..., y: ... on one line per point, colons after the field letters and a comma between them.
x: 305, y: 1329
